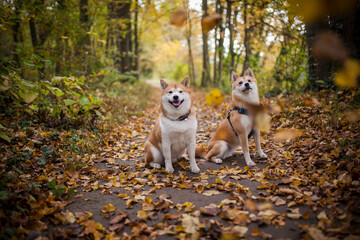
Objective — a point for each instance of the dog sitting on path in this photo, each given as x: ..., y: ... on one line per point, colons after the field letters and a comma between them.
x: 175, y: 130
x: 239, y: 125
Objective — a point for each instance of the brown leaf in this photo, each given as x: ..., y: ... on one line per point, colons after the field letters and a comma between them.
x: 190, y: 224
x: 117, y: 219
x: 210, y: 22
x: 178, y: 17
x: 117, y: 227
x: 329, y: 46
x: 211, y: 210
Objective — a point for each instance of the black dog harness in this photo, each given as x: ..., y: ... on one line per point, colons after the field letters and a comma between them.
x: 240, y: 111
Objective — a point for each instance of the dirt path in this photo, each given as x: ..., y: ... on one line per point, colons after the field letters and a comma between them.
x: 228, y: 200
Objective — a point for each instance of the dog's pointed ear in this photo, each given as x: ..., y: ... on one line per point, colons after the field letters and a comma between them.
x: 234, y: 76
x: 186, y: 82
x: 163, y: 84
x: 249, y: 72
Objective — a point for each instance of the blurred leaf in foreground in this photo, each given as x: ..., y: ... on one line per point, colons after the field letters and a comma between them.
x: 347, y: 77
x: 288, y: 134
x: 178, y: 17
x: 210, y: 22
x: 215, y: 97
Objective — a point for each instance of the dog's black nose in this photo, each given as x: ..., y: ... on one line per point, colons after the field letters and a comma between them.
x: 175, y: 97
x: 247, y: 84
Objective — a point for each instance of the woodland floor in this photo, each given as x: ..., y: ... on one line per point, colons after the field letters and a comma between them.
x: 307, y: 188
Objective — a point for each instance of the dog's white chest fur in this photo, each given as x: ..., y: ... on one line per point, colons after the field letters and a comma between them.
x: 178, y: 134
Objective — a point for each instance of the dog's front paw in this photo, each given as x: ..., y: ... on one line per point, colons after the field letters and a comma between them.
x: 194, y: 168
x: 169, y: 169
x: 250, y: 163
x: 262, y: 155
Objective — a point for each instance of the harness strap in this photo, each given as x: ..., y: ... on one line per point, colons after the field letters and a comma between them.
x: 240, y: 111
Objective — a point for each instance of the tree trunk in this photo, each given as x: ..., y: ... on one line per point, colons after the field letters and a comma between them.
x: 247, y: 46
x: 16, y: 35
x: 136, y: 40
x: 188, y: 39
x: 119, y: 15
x: 231, y: 36
x: 205, y: 79
x: 319, y: 70
x: 221, y: 45
x: 215, y: 77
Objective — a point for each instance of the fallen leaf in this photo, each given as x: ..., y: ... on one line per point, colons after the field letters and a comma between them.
x: 108, y: 208
x: 190, y: 224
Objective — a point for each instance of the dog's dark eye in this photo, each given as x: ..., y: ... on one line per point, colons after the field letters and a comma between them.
x: 249, y: 81
x: 170, y: 92
x: 240, y: 82
x: 180, y: 91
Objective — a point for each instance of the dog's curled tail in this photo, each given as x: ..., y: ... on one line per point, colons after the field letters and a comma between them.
x: 200, y: 152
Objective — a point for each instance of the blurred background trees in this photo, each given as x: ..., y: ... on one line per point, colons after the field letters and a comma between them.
x: 290, y: 44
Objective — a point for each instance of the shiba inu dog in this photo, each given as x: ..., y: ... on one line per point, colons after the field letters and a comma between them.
x: 175, y: 130
x: 239, y: 125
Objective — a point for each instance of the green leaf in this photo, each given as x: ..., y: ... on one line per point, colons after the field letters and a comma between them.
x: 28, y: 84
x: 56, y: 91
x: 2, y: 127
x: 30, y: 96
x: 3, y: 195
x: 69, y: 102
x: 5, y: 137
x: 51, y: 184
x: 84, y: 100
x: 30, y: 64
x: 42, y: 161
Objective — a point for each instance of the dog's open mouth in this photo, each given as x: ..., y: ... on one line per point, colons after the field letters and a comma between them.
x: 247, y: 89
x: 176, y: 103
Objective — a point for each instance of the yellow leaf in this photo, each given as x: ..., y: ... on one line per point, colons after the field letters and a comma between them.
x: 262, y: 120
x: 287, y: 134
x: 214, y: 98
x: 219, y: 181
x: 347, y: 77
x: 189, y: 207
x: 142, y: 214
x: 147, y: 204
x: 108, y: 208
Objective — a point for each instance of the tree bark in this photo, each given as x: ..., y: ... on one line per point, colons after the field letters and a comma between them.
x: 318, y: 70
x: 215, y: 77
x: 188, y: 39
x: 231, y: 35
x: 247, y: 46
x: 119, y: 15
x: 205, y: 79
x: 136, y: 40
x: 16, y: 34
x: 221, y: 45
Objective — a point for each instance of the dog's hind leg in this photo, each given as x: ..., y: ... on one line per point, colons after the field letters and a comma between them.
x: 153, y: 157
x: 217, y: 152
x: 238, y: 153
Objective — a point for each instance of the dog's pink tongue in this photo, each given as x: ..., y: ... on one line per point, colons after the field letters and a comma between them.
x: 176, y: 104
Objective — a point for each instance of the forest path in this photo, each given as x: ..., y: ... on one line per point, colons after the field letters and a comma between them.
x: 229, y: 200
